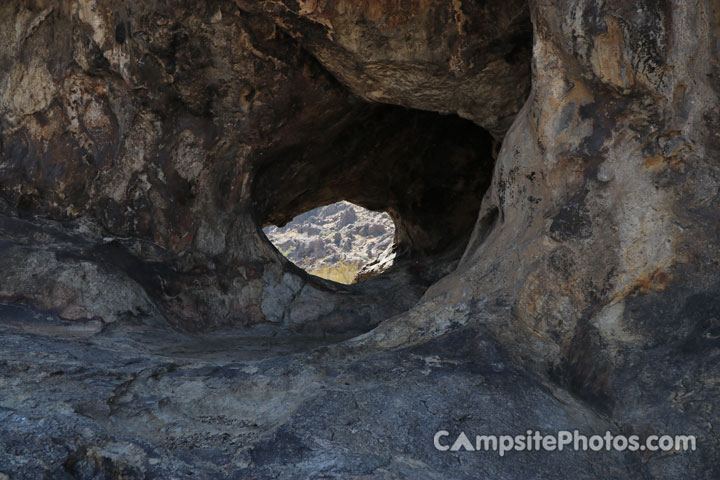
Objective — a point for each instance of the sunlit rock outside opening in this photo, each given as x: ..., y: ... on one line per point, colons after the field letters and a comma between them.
x: 336, y: 241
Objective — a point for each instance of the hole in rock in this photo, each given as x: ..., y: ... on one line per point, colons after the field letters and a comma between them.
x: 337, y: 241
x: 427, y: 170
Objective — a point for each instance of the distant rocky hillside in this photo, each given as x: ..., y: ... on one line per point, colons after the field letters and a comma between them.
x: 338, y: 236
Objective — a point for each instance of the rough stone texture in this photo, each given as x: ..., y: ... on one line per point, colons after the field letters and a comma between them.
x: 468, y: 58
x: 150, y: 330
x: 337, y: 234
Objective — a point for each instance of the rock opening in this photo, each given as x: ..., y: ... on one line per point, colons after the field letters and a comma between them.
x: 428, y: 171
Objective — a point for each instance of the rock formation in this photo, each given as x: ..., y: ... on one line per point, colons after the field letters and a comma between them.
x: 337, y: 236
x: 551, y: 169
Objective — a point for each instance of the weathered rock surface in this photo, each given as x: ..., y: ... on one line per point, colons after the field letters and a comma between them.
x: 175, y: 131
x: 468, y: 58
x: 567, y: 280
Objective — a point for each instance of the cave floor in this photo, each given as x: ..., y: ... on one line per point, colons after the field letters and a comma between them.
x: 234, y: 344
x: 145, y: 401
